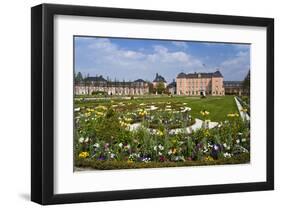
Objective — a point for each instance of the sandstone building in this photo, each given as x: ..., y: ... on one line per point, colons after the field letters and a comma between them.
x: 195, y: 84
x: 98, y: 84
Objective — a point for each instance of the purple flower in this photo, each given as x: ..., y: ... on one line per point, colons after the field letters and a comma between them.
x: 216, y: 147
x: 162, y: 159
x: 101, y: 158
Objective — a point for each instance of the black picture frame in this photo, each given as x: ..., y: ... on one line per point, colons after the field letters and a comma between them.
x: 42, y: 103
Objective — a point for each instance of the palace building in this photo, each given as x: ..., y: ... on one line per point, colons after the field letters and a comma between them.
x: 233, y: 87
x: 172, y: 87
x: 238, y: 87
x: 200, y: 84
x: 159, y: 79
x: 98, y: 84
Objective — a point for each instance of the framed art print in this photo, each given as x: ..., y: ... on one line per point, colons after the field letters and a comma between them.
x: 130, y: 104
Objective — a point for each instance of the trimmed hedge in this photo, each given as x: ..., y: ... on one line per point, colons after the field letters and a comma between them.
x: 111, y: 165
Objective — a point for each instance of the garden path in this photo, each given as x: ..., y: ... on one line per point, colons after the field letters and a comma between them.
x: 243, y: 115
x: 197, y: 125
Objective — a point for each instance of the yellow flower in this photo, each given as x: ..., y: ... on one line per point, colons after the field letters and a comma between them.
x: 174, y: 150
x: 244, y: 110
x: 204, y: 112
x: 231, y: 115
x: 87, y: 114
x: 128, y: 120
x: 159, y: 133
x: 101, y: 107
x: 142, y: 113
x: 83, y: 154
x: 123, y: 124
x: 209, y: 158
x: 206, y: 133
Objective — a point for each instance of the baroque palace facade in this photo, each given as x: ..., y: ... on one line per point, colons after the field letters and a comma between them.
x: 91, y: 85
x: 191, y: 84
x: 196, y: 84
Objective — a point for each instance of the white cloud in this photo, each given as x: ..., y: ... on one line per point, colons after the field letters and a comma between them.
x: 236, y: 68
x: 109, y: 59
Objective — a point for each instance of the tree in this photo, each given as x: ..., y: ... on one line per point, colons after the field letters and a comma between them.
x: 160, y: 88
x: 79, y: 78
x: 87, y: 84
x: 246, y: 84
x: 151, y: 88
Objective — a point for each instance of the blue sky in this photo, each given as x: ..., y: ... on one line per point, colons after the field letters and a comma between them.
x: 131, y: 59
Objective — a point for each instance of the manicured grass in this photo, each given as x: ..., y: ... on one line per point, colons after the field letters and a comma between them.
x: 218, y: 107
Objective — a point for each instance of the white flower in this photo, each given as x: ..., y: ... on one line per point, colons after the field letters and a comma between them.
x: 237, y: 141
x: 81, y: 140
x: 225, y: 145
x: 184, y: 109
x: 243, y: 140
x: 146, y: 160
x: 227, y: 155
x: 97, y: 145
x: 155, y: 148
x: 87, y: 140
x: 240, y: 134
x: 160, y: 147
x: 152, y: 107
x: 112, y: 155
x: 120, y: 145
x: 77, y: 109
x: 170, y: 152
x: 159, y: 153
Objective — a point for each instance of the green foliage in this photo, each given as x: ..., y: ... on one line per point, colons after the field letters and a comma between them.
x: 160, y: 87
x: 79, y: 78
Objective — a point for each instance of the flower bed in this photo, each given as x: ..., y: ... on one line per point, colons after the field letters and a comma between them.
x: 111, y: 165
x: 103, y: 139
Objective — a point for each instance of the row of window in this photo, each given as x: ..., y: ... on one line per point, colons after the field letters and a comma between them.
x: 200, y: 92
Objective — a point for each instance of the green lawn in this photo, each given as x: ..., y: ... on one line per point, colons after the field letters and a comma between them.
x: 218, y: 107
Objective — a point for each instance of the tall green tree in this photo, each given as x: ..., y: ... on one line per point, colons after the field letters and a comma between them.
x: 160, y: 88
x: 79, y: 78
x: 246, y: 84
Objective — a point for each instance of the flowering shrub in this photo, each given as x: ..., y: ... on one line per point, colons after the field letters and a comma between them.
x: 106, y: 133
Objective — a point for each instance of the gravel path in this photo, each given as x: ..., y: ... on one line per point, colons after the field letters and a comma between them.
x: 197, y: 125
x: 243, y: 115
